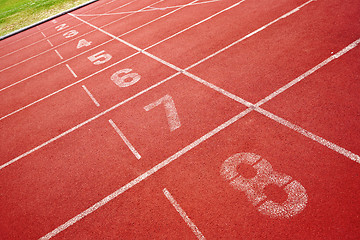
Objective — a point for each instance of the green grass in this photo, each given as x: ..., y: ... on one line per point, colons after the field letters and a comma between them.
x: 16, y: 14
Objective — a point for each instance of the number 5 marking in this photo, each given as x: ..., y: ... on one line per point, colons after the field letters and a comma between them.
x: 254, y: 187
x: 170, y: 110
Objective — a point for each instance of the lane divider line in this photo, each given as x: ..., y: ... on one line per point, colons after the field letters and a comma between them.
x: 72, y: 72
x: 126, y: 141
x: 91, y: 96
x: 183, y: 214
x: 144, y: 176
x: 58, y: 54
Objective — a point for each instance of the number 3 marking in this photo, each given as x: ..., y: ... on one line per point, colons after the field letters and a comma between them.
x: 254, y: 187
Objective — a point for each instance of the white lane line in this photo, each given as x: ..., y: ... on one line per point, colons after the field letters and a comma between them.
x: 310, y: 135
x: 72, y: 72
x: 143, y: 176
x: 58, y: 54
x: 86, y: 122
x: 50, y: 42
x: 77, y: 37
x: 183, y: 214
x: 126, y: 141
x: 55, y: 21
x: 251, y: 34
x: 309, y: 72
x: 43, y: 34
x: 91, y: 96
x: 147, y: 10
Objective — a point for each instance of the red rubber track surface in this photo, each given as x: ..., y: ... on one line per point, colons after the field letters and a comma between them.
x: 174, y: 119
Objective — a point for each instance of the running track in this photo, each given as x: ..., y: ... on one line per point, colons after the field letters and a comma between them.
x: 173, y: 119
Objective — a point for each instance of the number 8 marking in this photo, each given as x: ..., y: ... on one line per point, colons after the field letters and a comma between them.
x: 254, y: 187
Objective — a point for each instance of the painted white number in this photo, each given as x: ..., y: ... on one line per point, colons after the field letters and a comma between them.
x: 254, y: 187
x: 83, y: 43
x: 170, y: 110
x: 122, y: 81
x: 54, y: 21
x: 70, y: 34
x: 100, y: 58
x: 61, y: 27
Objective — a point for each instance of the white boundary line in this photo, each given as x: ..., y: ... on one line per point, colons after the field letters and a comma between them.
x: 60, y: 90
x: 66, y: 20
x: 91, y: 96
x: 126, y: 141
x: 146, y: 10
x: 183, y: 214
x: 72, y: 72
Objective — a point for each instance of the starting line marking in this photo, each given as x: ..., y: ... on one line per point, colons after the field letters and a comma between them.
x: 123, y: 137
x: 91, y: 96
x: 183, y: 214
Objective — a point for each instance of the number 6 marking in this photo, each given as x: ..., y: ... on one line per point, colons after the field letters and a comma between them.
x: 121, y: 81
x: 170, y: 110
x: 254, y: 187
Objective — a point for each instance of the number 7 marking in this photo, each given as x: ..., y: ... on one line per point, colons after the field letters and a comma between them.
x: 170, y: 110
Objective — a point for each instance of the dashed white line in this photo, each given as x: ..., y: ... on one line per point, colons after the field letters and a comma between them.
x: 183, y: 214
x: 72, y: 72
x: 58, y: 54
x: 50, y: 42
x: 126, y: 141
x: 91, y: 96
x: 43, y: 34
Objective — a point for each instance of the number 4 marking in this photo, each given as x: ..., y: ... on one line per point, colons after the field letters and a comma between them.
x: 170, y: 110
x: 83, y: 43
